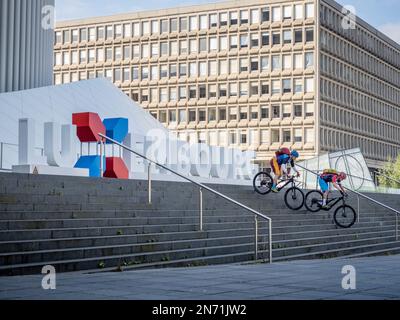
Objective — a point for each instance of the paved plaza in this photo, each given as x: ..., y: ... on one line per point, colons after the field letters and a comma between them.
x: 376, y: 278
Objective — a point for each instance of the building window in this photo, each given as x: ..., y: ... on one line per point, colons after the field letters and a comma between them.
x: 254, y: 88
x: 255, y: 16
x: 118, y: 31
x: 192, y: 92
x: 244, y: 89
x: 213, y: 68
x: 182, y: 116
x: 309, y: 59
x: 212, y: 114
x: 174, y: 48
x: 265, y: 64
x: 127, y: 52
x: 309, y: 108
x: 265, y: 137
x: 213, y: 44
x: 264, y: 88
x: 212, y: 91
x: 276, y: 14
x: 264, y: 113
x: 203, y: 22
x: 223, y: 19
x: 244, y: 41
x: 172, y: 70
x: 287, y: 36
x: 127, y: 30
x: 222, y: 90
x: 254, y: 64
x: 233, y: 66
x: 298, y: 61
x: 233, y: 114
x: 164, y: 71
x: 265, y: 16
x: 244, y: 113
x: 213, y: 20
x: 265, y: 39
x: 287, y: 62
x: 182, y: 93
x: 298, y: 110
x: 276, y: 63
x: 243, y: 138
x: 182, y: 69
x: 309, y: 10
x: 298, y: 36
x: 163, y: 116
x: 287, y: 85
x: 309, y: 34
x: 287, y: 111
x: 136, y: 29
x: 145, y: 28
x: 75, y: 36
x: 117, y: 75
x: 275, y: 136
x: 244, y: 65
x: 244, y: 17
x: 234, y: 18
x: 127, y: 74
x: 298, y: 86
x: 202, y: 91
x: 234, y: 42
x: 174, y: 25
x: 183, y: 24
x: 118, y: 53
x: 202, y: 115
x: 276, y: 112
x: 276, y: 38
x: 145, y: 73
x: 287, y: 136
x: 222, y: 114
x: 298, y: 135
x: 164, y: 26
x: 203, y: 44
x: 309, y: 135
x: 192, y: 23
x: 154, y: 72
x: 192, y: 115
x: 193, y: 46
x: 309, y: 85
x: 287, y: 12
x: 66, y: 36
x: 135, y: 73
x: 298, y: 11
x: 58, y: 37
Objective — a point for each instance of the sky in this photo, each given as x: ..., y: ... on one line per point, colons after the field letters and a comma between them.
x: 382, y: 14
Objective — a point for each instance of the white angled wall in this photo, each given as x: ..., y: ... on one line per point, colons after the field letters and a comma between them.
x: 26, y: 48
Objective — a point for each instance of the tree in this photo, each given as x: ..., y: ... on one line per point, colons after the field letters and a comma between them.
x: 390, y: 174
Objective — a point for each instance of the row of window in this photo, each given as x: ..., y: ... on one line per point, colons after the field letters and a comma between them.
x: 252, y: 137
x: 360, y: 36
x: 164, y: 49
x: 359, y: 79
x: 252, y: 113
x: 231, y: 90
x: 359, y: 101
x: 352, y: 121
x: 363, y: 60
x: 184, y: 23
x: 333, y: 140
x: 275, y: 63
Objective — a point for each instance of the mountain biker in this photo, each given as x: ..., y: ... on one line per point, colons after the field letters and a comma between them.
x: 334, y: 177
x: 279, y: 164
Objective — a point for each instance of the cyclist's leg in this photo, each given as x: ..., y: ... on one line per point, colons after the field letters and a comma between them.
x: 277, y: 173
x: 325, y: 190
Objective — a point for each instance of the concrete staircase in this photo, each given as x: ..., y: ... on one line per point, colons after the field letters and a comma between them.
x: 106, y: 225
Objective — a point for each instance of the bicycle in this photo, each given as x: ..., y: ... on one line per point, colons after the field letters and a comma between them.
x: 294, y: 197
x: 345, y: 216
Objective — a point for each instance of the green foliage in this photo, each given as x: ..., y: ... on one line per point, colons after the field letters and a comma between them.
x: 392, y: 171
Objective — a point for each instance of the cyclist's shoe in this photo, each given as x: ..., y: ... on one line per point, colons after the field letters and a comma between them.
x: 274, y: 189
x: 325, y: 207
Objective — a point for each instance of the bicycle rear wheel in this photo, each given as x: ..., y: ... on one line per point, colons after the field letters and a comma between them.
x: 294, y: 198
x: 313, y: 200
x: 262, y: 183
x: 345, y: 216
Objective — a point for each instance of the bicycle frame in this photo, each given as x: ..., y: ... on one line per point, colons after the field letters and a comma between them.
x: 336, y: 201
x: 288, y: 181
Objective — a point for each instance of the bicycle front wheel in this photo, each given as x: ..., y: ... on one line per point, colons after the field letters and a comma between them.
x: 314, y: 200
x: 345, y: 216
x: 294, y: 198
x: 262, y: 183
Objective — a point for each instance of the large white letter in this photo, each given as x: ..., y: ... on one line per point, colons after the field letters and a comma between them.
x: 26, y: 143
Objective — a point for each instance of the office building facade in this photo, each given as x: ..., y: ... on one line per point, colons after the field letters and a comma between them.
x: 250, y: 74
x: 26, y: 44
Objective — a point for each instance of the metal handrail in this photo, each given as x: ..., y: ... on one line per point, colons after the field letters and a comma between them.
x: 387, y: 177
x: 202, y: 186
x: 365, y: 197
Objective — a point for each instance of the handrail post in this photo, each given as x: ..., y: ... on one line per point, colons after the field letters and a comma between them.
x: 358, y: 208
x: 149, y: 182
x: 101, y: 158
x: 270, y: 240
x: 1, y: 158
x: 255, y: 239
x: 397, y: 225
x: 201, y: 210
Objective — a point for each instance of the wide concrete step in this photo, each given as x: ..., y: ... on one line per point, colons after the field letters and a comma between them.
x: 99, y: 222
x: 349, y: 251
x: 15, y: 235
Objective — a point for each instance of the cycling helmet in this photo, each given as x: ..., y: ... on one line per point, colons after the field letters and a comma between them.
x: 342, y: 176
x: 295, y: 154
